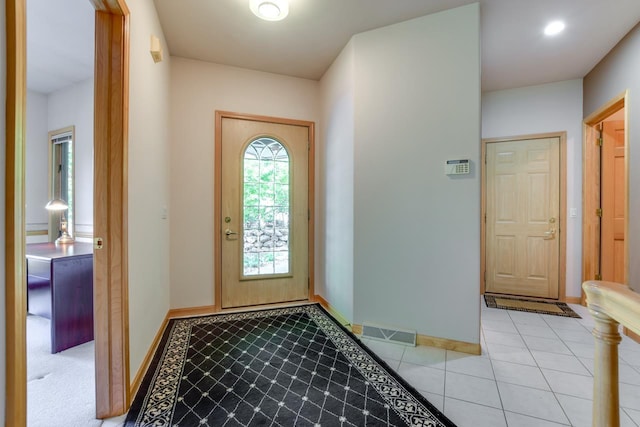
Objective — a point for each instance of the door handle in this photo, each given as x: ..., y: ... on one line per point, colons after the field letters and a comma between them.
x: 550, y: 235
x: 230, y: 233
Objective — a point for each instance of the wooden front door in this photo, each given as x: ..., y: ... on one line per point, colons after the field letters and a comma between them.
x: 612, y: 247
x: 264, y: 212
x: 522, y: 217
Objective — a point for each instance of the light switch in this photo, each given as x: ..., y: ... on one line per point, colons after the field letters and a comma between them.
x: 573, y: 212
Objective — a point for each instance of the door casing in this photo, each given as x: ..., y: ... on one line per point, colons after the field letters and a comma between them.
x: 591, y: 189
x: 217, y: 208
x: 110, y: 210
x: 562, y: 136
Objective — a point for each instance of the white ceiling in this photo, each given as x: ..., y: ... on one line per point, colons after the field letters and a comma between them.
x: 515, y: 53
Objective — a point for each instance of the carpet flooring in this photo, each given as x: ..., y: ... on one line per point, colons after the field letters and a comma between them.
x: 530, y: 306
x: 292, y: 366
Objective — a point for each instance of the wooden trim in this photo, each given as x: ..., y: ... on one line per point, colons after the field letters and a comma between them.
x: 137, y: 379
x: 483, y: 215
x: 217, y: 195
x: 15, y: 274
x: 444, y: 343
x: 192, y: 311
x: 591, y: 171
x: 31, y: 233
x: 335, y: 313
x: 84, y: 235
x: 573, y: 300
x: 631, y: 334
x: 562, y: 255
x: 111, y: 208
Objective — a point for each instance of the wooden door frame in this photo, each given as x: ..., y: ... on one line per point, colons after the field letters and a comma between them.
x: 217, y: 198
x: 110, y: 210
x: 562, y: 223
x: 591, y: 169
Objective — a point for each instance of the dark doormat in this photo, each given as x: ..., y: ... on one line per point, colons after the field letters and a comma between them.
x: 530, y: 306
x: 293, y: 366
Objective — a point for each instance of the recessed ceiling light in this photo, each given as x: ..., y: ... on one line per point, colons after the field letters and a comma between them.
x: 270, y: 10
x: 554, y: 28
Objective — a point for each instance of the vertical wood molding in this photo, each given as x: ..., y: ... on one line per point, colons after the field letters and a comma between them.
x: 15, y: 274
x: 110, y: 211
x: 591, y: 189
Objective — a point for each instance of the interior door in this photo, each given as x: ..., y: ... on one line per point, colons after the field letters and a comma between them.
x: 612, y: 255
x: 264, y: 212
x: 522, y: 208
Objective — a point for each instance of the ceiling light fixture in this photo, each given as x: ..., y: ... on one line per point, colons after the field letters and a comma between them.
x: 270, y: 10
x: 554, y: 28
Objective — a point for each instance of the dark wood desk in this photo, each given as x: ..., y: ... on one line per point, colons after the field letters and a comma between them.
x: 60, y: 288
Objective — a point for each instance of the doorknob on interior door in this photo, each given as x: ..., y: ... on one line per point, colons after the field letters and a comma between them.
x: 550, y: 235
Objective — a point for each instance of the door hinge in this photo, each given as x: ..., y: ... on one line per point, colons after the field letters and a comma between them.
x: 485, y: 218
x: 598, y: 277
x: 308, y: 214
x: 308, y: 145
x: 599, y: 142
x: 599, y: 212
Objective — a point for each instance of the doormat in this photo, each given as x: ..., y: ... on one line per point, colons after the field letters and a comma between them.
x: 530, y: 306
x: 293, y: 366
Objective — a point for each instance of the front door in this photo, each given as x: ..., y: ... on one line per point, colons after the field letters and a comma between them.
x: 522, y: 222
x: 264, y: 217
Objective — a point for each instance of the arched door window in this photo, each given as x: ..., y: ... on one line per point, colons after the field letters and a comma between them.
x: 266, y: 208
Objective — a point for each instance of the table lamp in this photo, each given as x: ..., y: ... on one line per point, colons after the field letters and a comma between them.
x: 62, y: 206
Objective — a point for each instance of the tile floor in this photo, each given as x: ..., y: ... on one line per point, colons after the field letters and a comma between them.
x: 535, y: 370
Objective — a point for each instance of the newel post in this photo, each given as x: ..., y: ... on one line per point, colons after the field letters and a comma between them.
x: 606, y: 408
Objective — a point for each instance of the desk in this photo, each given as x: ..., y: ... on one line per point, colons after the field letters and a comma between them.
x: 60, y: 288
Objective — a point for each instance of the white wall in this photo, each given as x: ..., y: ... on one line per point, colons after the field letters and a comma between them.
x: 36, y: 166
x: 417, y: 234
x: 617, y: 72
x: 148, y: 183
x: 3, y: 95
x: 73, y: 106
x: 547, y: 108
x: 198, y: 89
x: 335, y: 266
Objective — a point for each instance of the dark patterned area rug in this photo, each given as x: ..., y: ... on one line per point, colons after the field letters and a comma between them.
x: 531, y: 306
x: 293, y: 366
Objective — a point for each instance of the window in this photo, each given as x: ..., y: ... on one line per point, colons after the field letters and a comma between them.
x: 266, y: 208
x: 62, y: 178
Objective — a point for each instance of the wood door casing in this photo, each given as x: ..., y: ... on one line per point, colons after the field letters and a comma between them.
x: 237, y: 289
x: 522, y: 217
x: 613, y: 199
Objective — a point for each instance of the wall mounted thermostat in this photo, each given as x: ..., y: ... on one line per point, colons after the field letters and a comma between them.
x: 457, y: 167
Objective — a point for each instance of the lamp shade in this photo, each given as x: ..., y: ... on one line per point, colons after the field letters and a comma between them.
x: 57, y: 205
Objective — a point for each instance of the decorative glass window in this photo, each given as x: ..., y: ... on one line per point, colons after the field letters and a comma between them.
x: 266, y: 208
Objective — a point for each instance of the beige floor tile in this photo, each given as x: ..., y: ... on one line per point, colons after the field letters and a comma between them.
x: 536, y: 331
x: 560, y: 362
x: 472, y: 389
x: 423, y: 378
x: 463, y: 363
x: 532, y: 402
x: 503, y: 338
x: 436, y: 400
x: 528, y: 376
x: 579, y: 412
x: 386, y: 350
x: 571, y: 384
x: 519, y: 420
x: 499, y: 326
x: 551, y: 345
x: 630, y: 396
x: 506, y: 353
x: 467, y: 414
x: 426, y: 356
